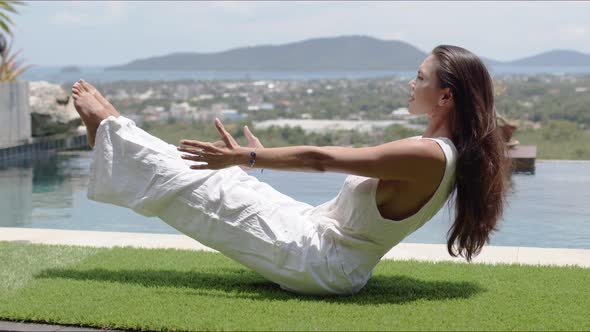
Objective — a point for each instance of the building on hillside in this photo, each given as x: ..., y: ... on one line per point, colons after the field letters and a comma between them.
x: 400, y: 113
x: 182, y: 111
x: 232, y: 115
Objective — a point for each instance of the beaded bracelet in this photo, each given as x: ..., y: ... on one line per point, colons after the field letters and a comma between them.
x: 253, y: 159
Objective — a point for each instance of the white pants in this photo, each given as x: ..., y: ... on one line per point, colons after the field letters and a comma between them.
x: 227, y: 210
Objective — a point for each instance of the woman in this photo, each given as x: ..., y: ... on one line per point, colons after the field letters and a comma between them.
x: 392, y: 189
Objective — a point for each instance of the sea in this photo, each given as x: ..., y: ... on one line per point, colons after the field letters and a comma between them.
x: 99, y: 74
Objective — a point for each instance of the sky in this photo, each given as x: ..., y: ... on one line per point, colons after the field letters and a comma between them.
x: 101, y: 33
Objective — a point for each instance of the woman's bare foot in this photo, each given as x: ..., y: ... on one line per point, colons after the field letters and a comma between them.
x: 90, y: 88
x: 90, y: 109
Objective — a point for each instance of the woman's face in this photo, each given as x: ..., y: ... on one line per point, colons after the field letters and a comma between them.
x: 424, y: 90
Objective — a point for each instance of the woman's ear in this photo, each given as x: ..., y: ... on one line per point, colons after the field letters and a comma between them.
x: 446, y: 99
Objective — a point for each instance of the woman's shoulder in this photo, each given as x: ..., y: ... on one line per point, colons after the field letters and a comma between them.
x: 427, y: 147
x: 421, y: 159
x: 439, y: 143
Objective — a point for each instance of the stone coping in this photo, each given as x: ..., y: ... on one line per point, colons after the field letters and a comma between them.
x: 403, y: 251
x: 37, y: 327
x: 570, y: 161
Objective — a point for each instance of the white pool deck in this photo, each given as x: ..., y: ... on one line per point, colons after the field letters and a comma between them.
x: 403, y: 251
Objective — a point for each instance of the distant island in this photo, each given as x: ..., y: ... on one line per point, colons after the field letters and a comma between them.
x: 70, y: 69
x: 354, y: 53
x: 563, y: 58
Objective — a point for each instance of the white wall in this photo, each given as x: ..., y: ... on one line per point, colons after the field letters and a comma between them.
x: 15, y: 117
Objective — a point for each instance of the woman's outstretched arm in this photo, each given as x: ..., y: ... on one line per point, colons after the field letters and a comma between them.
x: 406, y: 159
x: 399, y: 160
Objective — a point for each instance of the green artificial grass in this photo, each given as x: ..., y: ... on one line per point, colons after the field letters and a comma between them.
x: 148, y: 289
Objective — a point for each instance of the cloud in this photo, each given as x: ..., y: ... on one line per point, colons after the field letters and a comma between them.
x: 115, y: 9
x: 90, y: 14
x: 498, y: 30
x: 575, y: 31
x: 233, y: 7
x: 67, y: 18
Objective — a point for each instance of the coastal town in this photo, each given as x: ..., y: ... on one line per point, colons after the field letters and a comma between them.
x: 547, y: 109
x: 351, y: 100
x: 335, y: 104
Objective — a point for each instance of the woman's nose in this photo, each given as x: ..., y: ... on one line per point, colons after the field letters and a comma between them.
x: 411, y: 82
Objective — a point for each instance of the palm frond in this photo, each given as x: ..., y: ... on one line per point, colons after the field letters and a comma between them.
x: 8, y: 6
x: 11, y: 57
x: 4, y: 5
x: 20, y: 71
x: 10, y: 65
x: 5, y: 17
x: 5, y: 27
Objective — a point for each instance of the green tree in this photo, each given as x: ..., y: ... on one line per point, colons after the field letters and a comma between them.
x: 560, y: 130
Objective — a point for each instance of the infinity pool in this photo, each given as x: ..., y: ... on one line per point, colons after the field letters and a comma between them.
x: 550, y: 209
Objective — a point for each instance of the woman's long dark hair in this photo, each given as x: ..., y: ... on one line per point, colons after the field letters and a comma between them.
x: 482, y: 166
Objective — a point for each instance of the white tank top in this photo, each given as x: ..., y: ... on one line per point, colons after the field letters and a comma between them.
x: 360, y: 234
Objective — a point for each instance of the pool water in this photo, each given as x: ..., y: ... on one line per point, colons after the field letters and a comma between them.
x: 549, y: 209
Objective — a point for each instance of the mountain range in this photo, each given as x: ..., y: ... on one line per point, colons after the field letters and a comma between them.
x: 353, y: 53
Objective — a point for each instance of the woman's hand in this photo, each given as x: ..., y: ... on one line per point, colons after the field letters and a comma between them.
x: 253, y: 142
x: 220, y: 154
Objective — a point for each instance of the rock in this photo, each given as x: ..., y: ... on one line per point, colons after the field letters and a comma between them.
x: 52, y: 110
